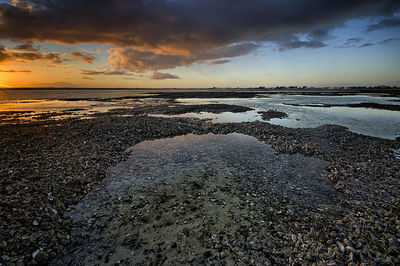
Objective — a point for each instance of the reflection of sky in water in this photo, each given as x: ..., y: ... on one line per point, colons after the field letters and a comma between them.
x: 44, y: 105
x: 59, y: 105
x: 81, y: 109
x: 12, y: 95
x: 226, y: 117
x: 280, y: 99
x: 373, y: 122
x: 379, y: 123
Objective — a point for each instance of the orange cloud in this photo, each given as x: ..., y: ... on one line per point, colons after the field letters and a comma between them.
x: 217, y: 62
x: 24, y: 56
x: 139, y: 60
x: 15, y: 71
x: 105, y: 72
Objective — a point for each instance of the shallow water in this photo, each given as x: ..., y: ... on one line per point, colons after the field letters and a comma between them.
x: 225, y: 117
x: 372, y: 122
x: 172, y: 198
x: 19, y: 95
x: 43, y: 101
x: 367, y: 121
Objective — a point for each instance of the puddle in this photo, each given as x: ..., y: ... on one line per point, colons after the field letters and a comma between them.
x: 195, y: 199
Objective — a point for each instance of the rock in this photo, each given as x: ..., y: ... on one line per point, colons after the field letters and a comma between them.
x: 50, y: 197
x: 341, y: 247
x: 207, y: 254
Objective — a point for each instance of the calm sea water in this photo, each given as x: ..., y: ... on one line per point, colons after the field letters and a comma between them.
x: 372, y: 122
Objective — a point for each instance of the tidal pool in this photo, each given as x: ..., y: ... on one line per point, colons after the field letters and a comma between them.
x: 193, y: 199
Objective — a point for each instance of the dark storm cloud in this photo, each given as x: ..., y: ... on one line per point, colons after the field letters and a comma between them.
x: 87, y: 58
x: 162, y: 22
x: 386, y: 23
x: 160, y: 76
x: 177, y: 32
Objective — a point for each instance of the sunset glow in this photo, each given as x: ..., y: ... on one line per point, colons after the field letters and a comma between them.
x: 184, y: 44
x: 4, y: 86
x: 199, y: 132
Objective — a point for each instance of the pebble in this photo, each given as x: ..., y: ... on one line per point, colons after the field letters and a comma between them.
x: 35, y: 253
x: 334, y: 144
x: 341, y: 247
x: 50, y: 197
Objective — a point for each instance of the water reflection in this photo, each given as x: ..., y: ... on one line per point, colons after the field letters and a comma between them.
x: 372, y: 122
x: 25, y: 110
x: 225, y: 117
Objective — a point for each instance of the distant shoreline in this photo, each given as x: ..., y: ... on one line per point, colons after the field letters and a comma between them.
x: 290, y: 88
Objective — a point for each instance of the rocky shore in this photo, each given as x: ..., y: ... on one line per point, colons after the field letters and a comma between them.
x: 48, y: 166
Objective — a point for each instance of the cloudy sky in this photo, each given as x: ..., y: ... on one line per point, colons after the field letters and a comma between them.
x: 199, y: 43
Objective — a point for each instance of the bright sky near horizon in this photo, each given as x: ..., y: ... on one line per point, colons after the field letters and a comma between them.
x: 189, y: 43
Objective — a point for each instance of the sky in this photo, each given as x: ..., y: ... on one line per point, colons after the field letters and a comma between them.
x: 199, y: 43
